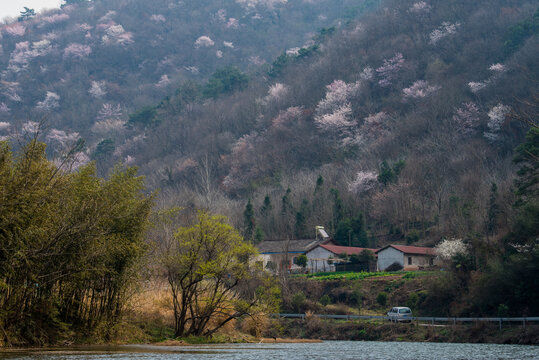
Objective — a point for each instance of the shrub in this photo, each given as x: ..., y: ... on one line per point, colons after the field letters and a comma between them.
x: 381, y: 299
x: 298, y: 302
x: 325, y: 300
x: 394, y: 267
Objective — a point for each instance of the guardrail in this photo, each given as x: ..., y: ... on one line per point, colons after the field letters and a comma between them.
x: 432, y: 320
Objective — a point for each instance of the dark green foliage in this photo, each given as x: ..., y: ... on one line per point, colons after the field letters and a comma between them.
x: 352, y: 232
x: 381, y: 298
x: 301, y: 260
x: 249, y: 221
x: 301, y: 230
x: 517, y: 34
x: 389, y: 174
x: 325, y: 300
x: 225, y: 80
x: 104, y: 149
x: 267, y: 208
x: 286, y: 203
x: 338, y: 211
x: 144, y: 117
x: 527, y: 157
x: 259, y: 235
x: 279, y: 65
x: 412, y: 237
x: 298, y: 302
x: 27, y: 14
x: 493, y: 210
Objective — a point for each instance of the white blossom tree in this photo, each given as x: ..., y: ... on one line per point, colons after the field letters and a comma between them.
x: 448, y: 248
x: 496, y: 116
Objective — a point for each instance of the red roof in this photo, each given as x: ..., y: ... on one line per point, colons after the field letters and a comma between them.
x: 412, y: 250
x: 348, y: 250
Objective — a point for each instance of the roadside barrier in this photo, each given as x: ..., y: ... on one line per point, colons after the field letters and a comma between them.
x: 431, y: 320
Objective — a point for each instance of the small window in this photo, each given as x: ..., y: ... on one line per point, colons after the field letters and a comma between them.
x: 405, y: 311
x: 409, y: 260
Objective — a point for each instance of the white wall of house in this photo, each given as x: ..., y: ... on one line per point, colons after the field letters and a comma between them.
x: 318, y: 260
x: 413, y: 262
x: 389, y: 256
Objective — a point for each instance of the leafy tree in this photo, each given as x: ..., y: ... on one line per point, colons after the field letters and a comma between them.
x: 352, y: 232
x: 259, y: 235
x: 210, y: 278
x: 518, y: 33
x: 338, y: 211
x: 266, y: 208
x: 104, y: 148
x: 389, y: 174
x: 144, y: 117
x: 69, y: 244
x: 225, y: 80
x: 381, y: 298
x: 249, y: 221
x: 302, y: 261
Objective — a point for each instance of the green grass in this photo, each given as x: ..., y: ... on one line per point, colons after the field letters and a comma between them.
x: 360, y: 275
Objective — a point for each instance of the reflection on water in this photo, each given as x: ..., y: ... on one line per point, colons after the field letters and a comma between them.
x: 323, y: 351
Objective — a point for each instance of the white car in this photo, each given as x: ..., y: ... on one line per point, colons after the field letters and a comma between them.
x: 400, y: 314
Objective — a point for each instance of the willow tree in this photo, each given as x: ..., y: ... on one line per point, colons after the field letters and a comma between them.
x: 211, y: 279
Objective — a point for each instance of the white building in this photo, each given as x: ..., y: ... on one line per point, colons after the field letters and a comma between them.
x: 323, y: 257
x: 409, y: 257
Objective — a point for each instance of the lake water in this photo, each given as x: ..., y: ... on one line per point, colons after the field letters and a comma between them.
x: 323, y: 351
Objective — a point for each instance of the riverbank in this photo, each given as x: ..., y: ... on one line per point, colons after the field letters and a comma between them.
x: 322, y: 329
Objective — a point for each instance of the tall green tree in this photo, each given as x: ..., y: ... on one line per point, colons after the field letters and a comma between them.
x: 249, y: 221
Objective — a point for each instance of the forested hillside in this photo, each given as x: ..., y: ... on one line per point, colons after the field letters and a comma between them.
x: 398, y: 126
x: 89, y: 65
x: 389, y: 121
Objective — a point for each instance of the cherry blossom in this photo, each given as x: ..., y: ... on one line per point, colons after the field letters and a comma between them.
x: 56, y: 18
x: 164, y: 81
x: 420, y: 89
x: 15, y: 29
x: 420, y: 7
x: 158, y: 18
x: 62, y: 138
x: 466, y: 118
x: 4, y: 109
x: 443, y: 31
x: 390, y: 69
x: 97, y: 89
x: 232, y: 23
x: 497, y: 117
x: 364, y: 181
x: 286, y: 117
x: 204, y: 41
x: 277, y: 92
x: 77, y: 51
x: 50, y: 102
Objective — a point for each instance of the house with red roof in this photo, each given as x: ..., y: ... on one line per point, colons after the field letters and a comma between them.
x: 324, y: 257
x: 409, y: 257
